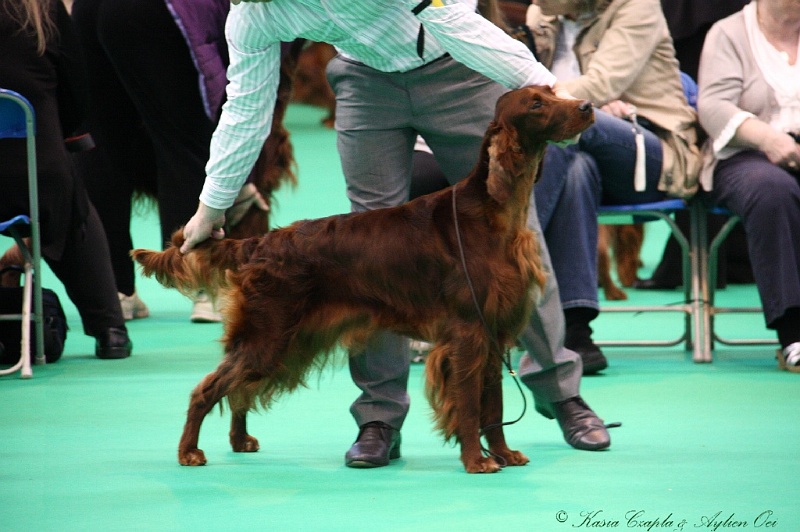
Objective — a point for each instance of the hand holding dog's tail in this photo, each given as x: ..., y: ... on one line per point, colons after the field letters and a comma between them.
x: 203, y: 268
x: 206, y: 223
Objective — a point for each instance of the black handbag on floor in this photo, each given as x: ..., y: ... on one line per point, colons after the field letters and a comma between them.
x: 55, y: 326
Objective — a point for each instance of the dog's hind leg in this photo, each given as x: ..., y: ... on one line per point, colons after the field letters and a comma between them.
x: 205, y: 395
x: 492, y: 416
x: 241, y: 441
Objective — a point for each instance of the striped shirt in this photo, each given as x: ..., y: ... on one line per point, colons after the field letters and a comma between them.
x: 381, y: 34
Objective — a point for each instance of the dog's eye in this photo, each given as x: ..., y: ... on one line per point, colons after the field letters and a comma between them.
x: 537, y: 104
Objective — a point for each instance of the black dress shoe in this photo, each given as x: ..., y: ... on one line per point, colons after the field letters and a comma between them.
x: 578, y: 338
x: 113, y: 343
x: 652, y: 284
x: 594, y: 361
x: 377, y: 443
x: 581, y: 427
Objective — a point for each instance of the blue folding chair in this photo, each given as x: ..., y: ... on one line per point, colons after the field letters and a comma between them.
x: 708, y: 260
x: 17, y: 120
x: 693, y: 334
x: 664, y: 210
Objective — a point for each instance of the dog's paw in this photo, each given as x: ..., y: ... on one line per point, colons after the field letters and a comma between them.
x: 482, y: 465
x: 247, y: 445
x: 514, y: 458
x: 613, y: 293
x: 193, y: 457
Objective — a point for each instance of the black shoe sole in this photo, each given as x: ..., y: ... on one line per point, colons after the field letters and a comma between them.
x: 593, y: 367
x: 593, y: 361
x: 649, y: 284
x: 113, y: 353
x: 594, y: 446
x: 362, y: 463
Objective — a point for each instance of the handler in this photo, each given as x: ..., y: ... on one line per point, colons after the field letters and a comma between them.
x: 404, y: 68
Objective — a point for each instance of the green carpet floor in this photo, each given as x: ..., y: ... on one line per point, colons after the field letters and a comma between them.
x: 90, y: 445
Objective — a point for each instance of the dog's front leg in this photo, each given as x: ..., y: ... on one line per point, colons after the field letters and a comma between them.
x: 467, y: 388
x: 492, y: 416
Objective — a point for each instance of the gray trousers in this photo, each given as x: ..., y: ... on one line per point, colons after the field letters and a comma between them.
x: 378, y: 116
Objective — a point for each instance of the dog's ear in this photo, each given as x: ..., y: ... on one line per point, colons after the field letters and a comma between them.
x: 505, y: 163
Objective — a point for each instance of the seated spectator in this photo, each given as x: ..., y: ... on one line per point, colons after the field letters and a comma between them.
x: 688, y: 22
x: 619, y: 55
x: 749, y: 103
x: 40, y: 61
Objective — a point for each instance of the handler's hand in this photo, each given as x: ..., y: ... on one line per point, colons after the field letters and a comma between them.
x: 561, y: 92
x: 206, y: 223
x: 619, y: 109
x: 248, y: 196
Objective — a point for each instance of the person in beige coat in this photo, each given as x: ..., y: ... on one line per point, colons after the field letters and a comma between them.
x: 642, y: 148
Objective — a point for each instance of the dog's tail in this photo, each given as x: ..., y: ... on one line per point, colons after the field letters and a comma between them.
x: 205, y: 267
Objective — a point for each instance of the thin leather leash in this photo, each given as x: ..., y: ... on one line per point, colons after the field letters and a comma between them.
x: 507, y: 358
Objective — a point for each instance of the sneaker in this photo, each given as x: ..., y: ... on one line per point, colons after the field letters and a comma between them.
x: 419, y: 350
x: 789, y: 358
x: 204, y: 310
x: 133, y: 308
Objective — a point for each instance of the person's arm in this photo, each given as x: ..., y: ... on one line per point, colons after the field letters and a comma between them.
x: 246, y: 119
x: 779, y: 147
x: 721, y: 79
x: 482, y: 46
x: 626, y: 47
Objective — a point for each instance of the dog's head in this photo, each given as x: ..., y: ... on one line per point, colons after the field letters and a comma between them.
x: 525, y: 121
x: 535, y: 115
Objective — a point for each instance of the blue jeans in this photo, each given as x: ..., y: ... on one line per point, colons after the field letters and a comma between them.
x: 575, y: 181
x: 767, y: 198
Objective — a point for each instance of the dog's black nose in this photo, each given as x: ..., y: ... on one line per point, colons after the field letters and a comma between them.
x: 585, y: 106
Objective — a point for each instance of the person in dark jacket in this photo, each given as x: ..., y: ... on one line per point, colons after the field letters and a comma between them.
x: 41, y: 61
x: 157, y: 83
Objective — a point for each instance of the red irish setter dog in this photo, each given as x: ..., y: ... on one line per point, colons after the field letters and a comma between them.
x: 298, y: 293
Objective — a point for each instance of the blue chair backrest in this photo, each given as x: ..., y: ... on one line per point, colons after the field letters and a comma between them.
x: 13, y: 119
x: 689, y: 89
